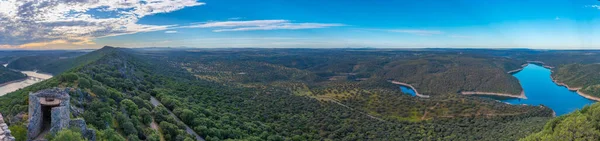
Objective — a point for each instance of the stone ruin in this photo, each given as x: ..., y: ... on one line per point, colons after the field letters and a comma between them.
x: 4, y: 132
x: 50, y: 112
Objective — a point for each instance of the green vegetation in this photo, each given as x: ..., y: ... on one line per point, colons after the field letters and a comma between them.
x: 7, y: 75
x: 451, y: 74
x: 67, y: 135
x: 583, y: 124
x: 53, y: 62
x: 288, y: 94
x: 584, y: 76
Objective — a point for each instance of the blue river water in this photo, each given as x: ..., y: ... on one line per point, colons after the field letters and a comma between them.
x: 540, y: 89
x: 408, y: 90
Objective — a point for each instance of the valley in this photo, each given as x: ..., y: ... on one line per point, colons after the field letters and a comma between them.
x: 297, y: 94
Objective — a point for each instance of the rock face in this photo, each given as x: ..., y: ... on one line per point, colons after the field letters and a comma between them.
x: 4, y: 132
x: 80, y: 124
x: 50, y: 110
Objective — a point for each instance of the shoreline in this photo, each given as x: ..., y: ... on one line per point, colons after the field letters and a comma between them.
x: 14, y: 81
x: 521, y: 96
x: 540, y: 63
x: 577, y: 90
x: 410, y: 86
x: 519, y: 69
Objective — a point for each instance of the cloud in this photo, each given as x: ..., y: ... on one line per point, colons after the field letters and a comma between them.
x: 41, y: 44
x: 593, y: 6
x: 171, y: 32
x: 225, y: 26
x: 6, y: 46
x: 31, y: 23
x: 557, y: 18
x: 417, y: 32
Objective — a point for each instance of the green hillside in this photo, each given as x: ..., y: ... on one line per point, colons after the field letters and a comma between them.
x: 7, y: 75
x: 583, y: 124
x: 584, y: 76
x: 114, y: 87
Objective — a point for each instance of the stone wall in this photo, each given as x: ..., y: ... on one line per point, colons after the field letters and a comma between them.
x: 4, y: 132
x: 60, y: 115
x: 60, y: 119
x: 35, y: 117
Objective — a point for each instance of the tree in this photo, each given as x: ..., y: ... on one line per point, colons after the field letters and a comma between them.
x: 68, y: 77
x: 68, y: 135
x: 146, y: 116
x: 129, y: 128
x: 84, y: 83
x: 19, y: 132
x: 110, y: 135
x: 187, y: 116
x: 130, y: 107
x: 132, y: 138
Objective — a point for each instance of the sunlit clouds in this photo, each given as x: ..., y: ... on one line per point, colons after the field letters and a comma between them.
x: 32, y: 23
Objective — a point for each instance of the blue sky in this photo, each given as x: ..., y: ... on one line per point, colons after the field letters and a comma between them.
x: 542, y: 24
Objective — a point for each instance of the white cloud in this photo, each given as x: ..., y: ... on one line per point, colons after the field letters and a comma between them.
x: 417, y: 32
x: 261, y: 25
x: 593, y: 6
x: 35, y: 22
x: 171, y: 32
x: 40, y: 23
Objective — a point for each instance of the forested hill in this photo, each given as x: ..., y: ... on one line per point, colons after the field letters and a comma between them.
x: 7, y: 75
x: 111, y: 89
x: 54, y: 62
x: 581, y: 76
x: 581, y: 125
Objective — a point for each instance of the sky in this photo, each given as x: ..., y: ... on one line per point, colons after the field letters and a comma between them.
x: 83, y: 24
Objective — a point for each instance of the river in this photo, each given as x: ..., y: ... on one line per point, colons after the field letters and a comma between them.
x: 33, y: 77
x: 540, y: 89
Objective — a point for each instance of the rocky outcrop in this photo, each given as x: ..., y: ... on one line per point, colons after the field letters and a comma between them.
x: 85, y: 132
x: 4, y: 132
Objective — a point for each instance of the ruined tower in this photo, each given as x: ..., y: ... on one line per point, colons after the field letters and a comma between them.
x: 49, y: 112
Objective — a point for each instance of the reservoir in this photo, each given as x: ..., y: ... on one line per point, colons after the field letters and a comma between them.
x: 408, y: 90
x: 32, y: 78
x: 540, y: 89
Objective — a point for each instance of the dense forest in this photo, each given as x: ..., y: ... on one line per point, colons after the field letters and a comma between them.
x: 287, y: 94
x: 583, y: 76
x: 580, y: 125
x: 7, y: 75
